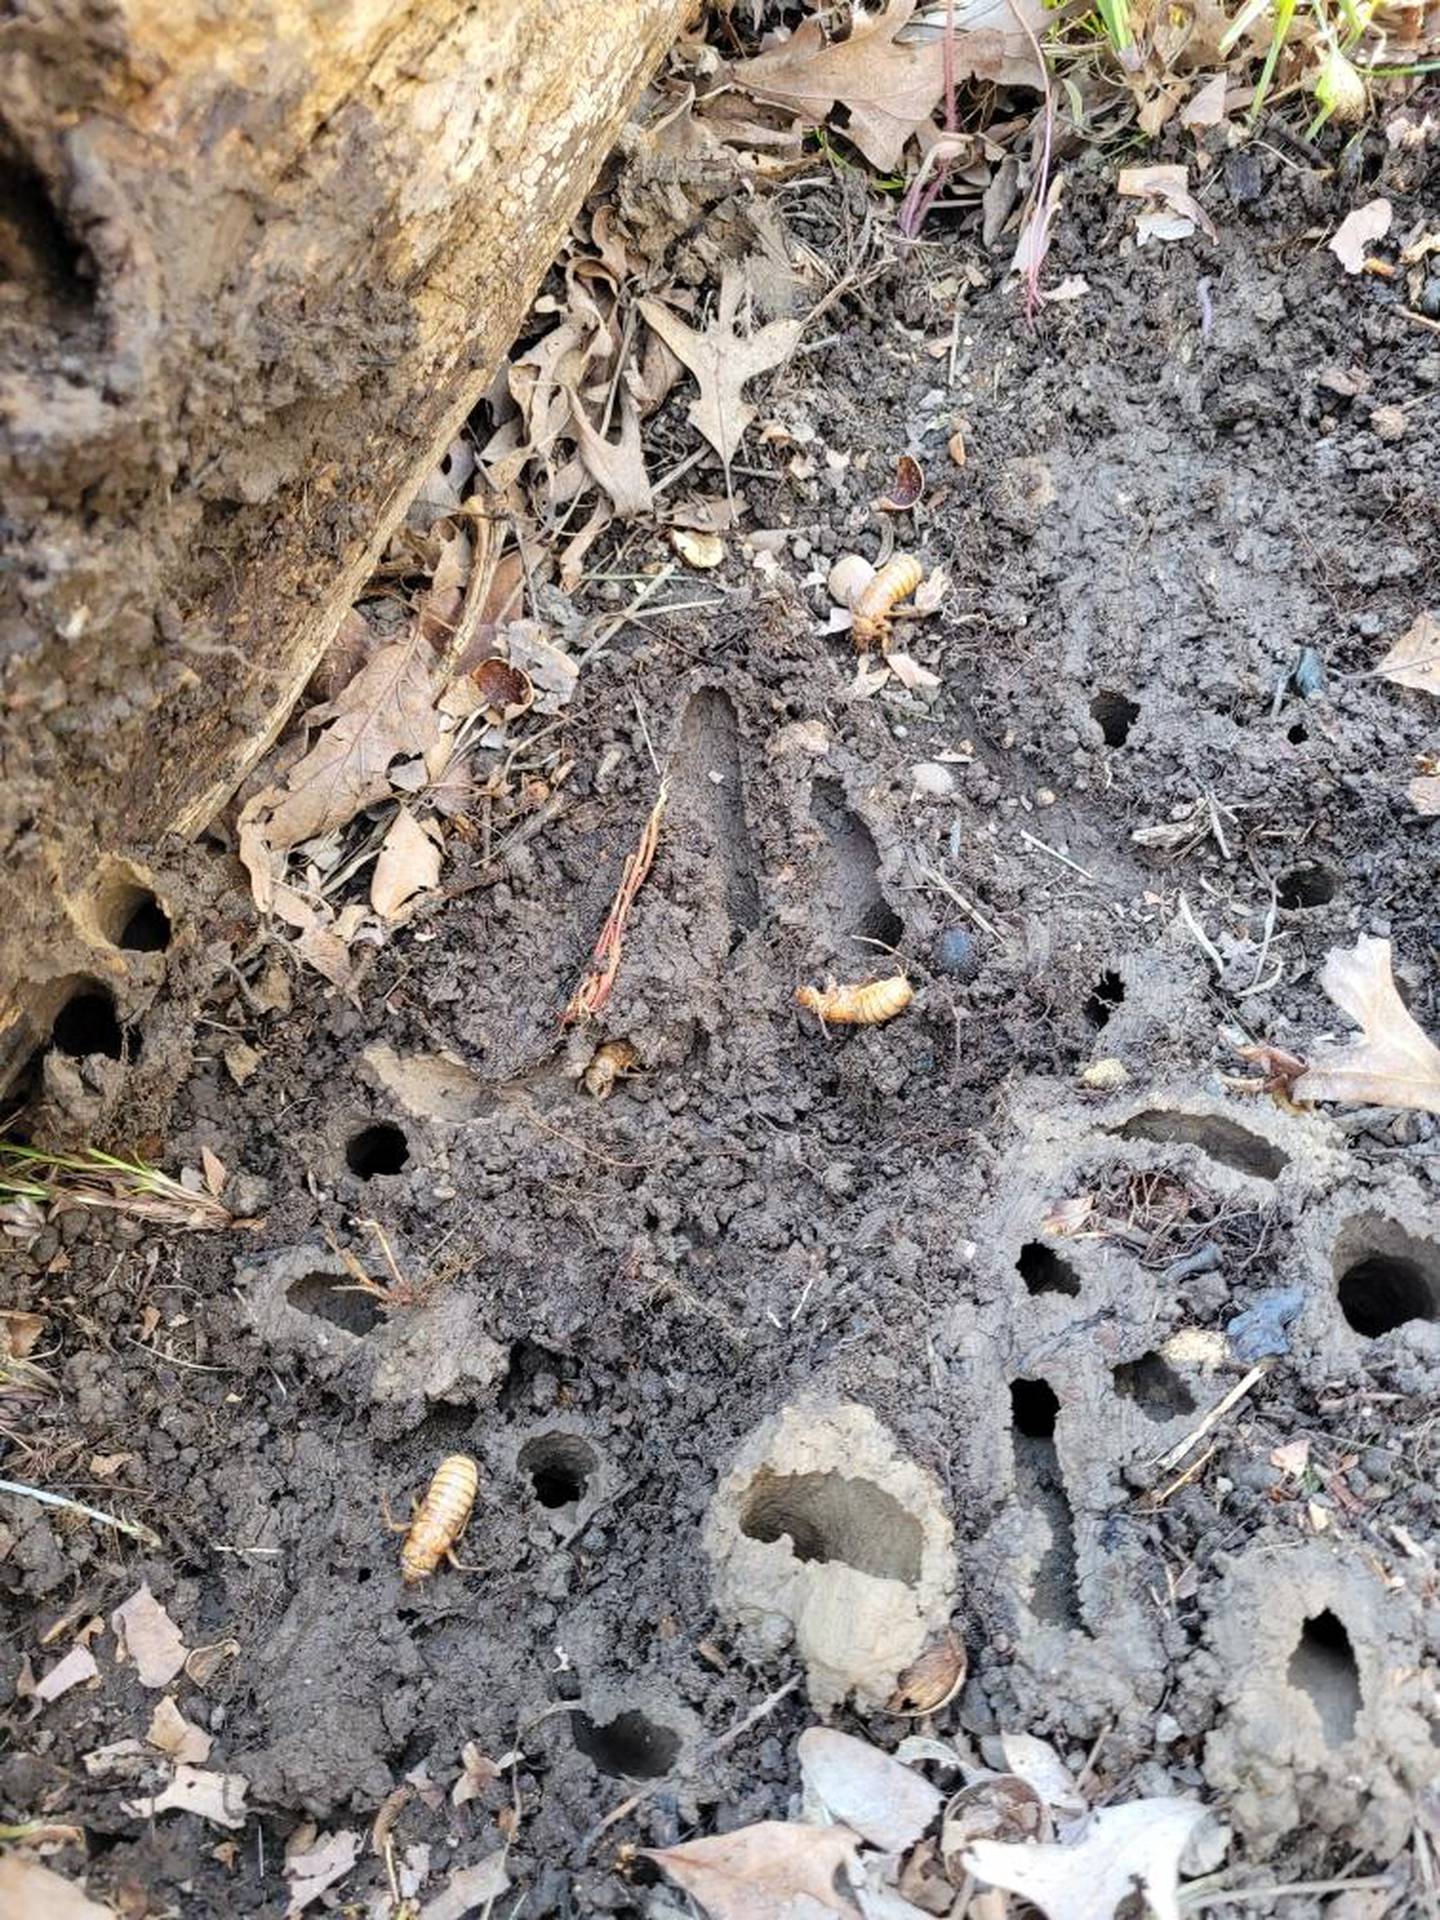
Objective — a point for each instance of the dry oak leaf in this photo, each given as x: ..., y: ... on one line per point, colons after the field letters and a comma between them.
x: 1121, y: 1850
x: 861, y: 1788
x: 616, y: 465
x: 765, y: 1872
x: 1394, y: 1063
x: 1414, y: 660
x: 386, y: 713
x: 149, y: 1637
x: 27, y: 1889
x: 214, y: 1796
x: 888, y: 90
x: 722, y: 360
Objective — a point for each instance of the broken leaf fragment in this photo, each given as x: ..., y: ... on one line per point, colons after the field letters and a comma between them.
x: 757, y: 1872
x: 148, y: 1637
x: 905, y: 489
x: 409, y: 864
x: 1394, y: 1063
x: 701, y: 550
x: 504, y: 691
x: 855, y: 1785
x: 219, y: 1797
x: 319, y: 1866
x: 74, y: 1670
x: 172, y: 1733
x: 1352, y: 239
x: 1414, y: 660
x: 30, y: 1891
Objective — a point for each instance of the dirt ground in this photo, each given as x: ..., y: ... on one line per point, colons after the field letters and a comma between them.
x: 1166, y: 495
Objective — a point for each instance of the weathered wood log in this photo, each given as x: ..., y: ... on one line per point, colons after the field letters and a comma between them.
x: 257, y: 262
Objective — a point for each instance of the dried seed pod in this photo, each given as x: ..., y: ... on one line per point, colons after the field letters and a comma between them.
x: 504, y: 690
x: 905, y: 489
x: 875, y: 602
x: 607, y: 1065
x: 441, y: 1517
x: 934, y: 1679
x: 867, y: 1005
x: 1000, y: 1807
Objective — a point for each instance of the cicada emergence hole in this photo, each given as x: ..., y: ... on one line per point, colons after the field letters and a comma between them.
x: 560, y: 1466
x: 1323, y: 1666
x: 88, y: 1023
x: 1043, y: 1270
x: 329, y: 1297
x: 632, y: 1746
x: 381, y: 1149
x: 827, y: 1517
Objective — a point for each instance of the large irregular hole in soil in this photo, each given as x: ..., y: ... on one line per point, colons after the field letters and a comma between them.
x: 1107, y: 994
x: 1311, y: 885
x: 1384, y: 1276
x: 1040, y: 1485
x: 45, y: 256
x: 851, y: 899
x: 1114, y: 714
x: 827, y: 1517
x: 710, y: 801
x: 330, y: 1297
x: 88, y: 1023
x: 146, y: 928
x: 560, y: 1466
x: 379, y: 1149
x: 1323, y: 1666
x: 1044, y: 1271
x: 632, y: 1746
x: 1155, y: 1387
x: 1219, y: 1139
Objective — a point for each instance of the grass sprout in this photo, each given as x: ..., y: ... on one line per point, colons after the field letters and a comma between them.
x: 33, y: 1177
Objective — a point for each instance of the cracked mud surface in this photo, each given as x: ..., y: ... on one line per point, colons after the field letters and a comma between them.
x: 1151, y: 521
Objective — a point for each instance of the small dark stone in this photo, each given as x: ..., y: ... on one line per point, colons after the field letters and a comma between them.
x: 1429, y: 301
x: 1244, y: 176
x: 957, y: 953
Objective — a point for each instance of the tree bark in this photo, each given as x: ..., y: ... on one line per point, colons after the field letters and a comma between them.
x: 258, y: 260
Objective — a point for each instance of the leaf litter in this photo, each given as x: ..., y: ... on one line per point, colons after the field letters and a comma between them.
x: 1394, y: 1063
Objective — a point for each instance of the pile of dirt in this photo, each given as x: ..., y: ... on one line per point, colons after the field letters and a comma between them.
x: 1025, y: 1260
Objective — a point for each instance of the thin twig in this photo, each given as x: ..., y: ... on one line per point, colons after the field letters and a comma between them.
x: 1216, y: 1414
x: 934, y: 879
x: 1244, y: 1896
x: 1207, y: 946
x: 132, y: 1527
x: 1055, y: 854
x: 1157, y: 1500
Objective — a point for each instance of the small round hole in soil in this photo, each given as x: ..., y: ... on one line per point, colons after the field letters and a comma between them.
x: 830, y: 1517
x: 1108, y: 994
x: 1115, y: 715
x: 331, y: 1297
x: 87, y: 1023
x: 380, y: 1149
x: 147, y: 928
x: 632, y: 1746
x: 559, y: 1466
x: 1384, y: 1276
x: 1323, y: 1666
x: 1043, y: 1271
x: 1309, y: 886
x: 1034, y: 1409
x: 1298, y: 734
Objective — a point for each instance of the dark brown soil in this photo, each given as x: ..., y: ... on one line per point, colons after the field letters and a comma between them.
x: 1162, y: 503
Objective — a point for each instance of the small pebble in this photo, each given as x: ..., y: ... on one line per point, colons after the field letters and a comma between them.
x: 1105, y: 1076
x: 1044, y: 797
x: 1388, y: 423
x: 957, y: 953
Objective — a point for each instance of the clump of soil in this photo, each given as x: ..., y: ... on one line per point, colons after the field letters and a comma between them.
x: 1162, y: 502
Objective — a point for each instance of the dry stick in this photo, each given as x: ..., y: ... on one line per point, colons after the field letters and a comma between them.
x: 1040, y: 188
x: 594, y: 990
x: 1243, y: 1896
x: 937, y: 879
x: 1055, y: 854
x: 1216, y: 1413
x: 702, y: 1759
x: 132, y: 1527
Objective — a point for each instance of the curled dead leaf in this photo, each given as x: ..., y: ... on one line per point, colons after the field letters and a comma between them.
x: 1352, y: 239
x: 905, y: 489
x: 770, y: 1868
x: 702, y: 550
x: 409, y: 864
x: 1394, y: 1063
x: 933, y: 1681
x: 504, y: 691
x: 1119, y: 1853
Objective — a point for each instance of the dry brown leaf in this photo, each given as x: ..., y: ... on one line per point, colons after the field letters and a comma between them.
x: 1169, y: 184
x: 862, y: 1789
x: 409, y: 863
x: 214, y: 1170
x: 754, y: 1872
x: 932, y: 1681
x: 149, y: 1637
x: 1068, y: 1216
x: 32, y: 1892
x: 888, y: 90
x: 722, y: 361
x: 74, y: 1670
x: 1394, y: 1063
x: 19, y: 1333
x: 386, y: 713
x: 1414, y: 660
x: 1121, y: 1851
x: 1206, y: 106
x: 214, y: 1796
x: 172, y: 1733
x: 319, y: 1867
x: 1352, y: 239
x: 616, y: 465
x: 469, y: 1889
x: 699, y: 550
x: 502, y: 690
